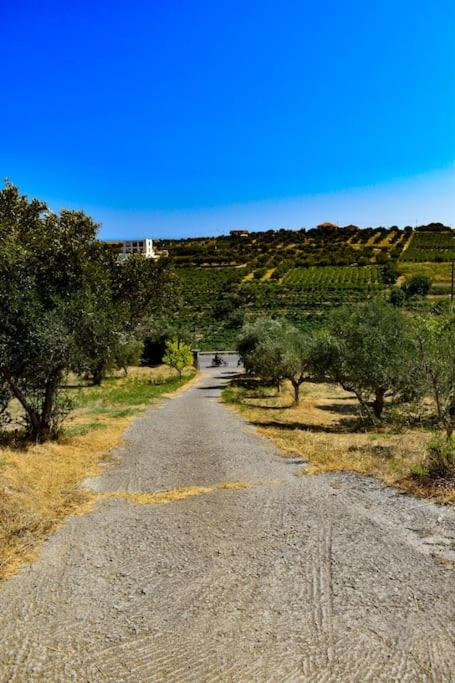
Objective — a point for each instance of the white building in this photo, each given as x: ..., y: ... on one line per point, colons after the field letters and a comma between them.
x: 145, y: 246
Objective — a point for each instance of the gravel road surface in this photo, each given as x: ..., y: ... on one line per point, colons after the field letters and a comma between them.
x: 327, y: 578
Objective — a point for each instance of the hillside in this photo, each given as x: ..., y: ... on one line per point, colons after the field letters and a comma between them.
x: 300, y: 274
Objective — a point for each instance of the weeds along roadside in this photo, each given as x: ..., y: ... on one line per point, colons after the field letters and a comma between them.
x: 39, y: 484
x: 324, y: 430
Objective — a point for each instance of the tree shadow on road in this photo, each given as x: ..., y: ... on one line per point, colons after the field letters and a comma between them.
x: 212, y: 387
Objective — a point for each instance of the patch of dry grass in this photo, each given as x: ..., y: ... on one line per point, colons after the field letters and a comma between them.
x: 324, y: 430
x: 39, y: 485
x: 267, y: 274
x: 39, y: 488
x: 173, y: 495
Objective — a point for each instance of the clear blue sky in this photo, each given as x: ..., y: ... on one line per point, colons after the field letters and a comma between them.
x: 176, y: 118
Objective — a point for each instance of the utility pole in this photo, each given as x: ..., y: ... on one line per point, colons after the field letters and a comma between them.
x: 453, y: 279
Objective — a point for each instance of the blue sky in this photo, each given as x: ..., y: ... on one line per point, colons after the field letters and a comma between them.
x: 178, y: 118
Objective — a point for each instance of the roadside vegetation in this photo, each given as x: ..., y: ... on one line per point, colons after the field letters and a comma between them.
x: 40, y: 483
x: 324, y: 432
x: 378, y: 387
x: 74, y: 319
x: 67, y: 305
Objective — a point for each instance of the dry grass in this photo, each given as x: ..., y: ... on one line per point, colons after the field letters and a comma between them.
x: 324, y: 430
x: 267, y: 274
x: 372, y: 239
x: 39, y: 485
x: 404, y: 242
x: 173, y: 495
x: 385, y: 242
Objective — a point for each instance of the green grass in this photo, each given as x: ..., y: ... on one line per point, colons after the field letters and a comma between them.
x: 233, y: 394
x: 82, y: 429
x: 117, y: 397
x: 131, y: 392
x: 247, y: 389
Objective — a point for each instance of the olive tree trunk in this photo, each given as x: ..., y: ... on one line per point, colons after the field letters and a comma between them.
x: 40, y: 420
x: 296, y: 384
x: 378, y: 403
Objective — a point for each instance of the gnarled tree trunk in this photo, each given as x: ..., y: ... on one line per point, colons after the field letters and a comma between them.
x: 40, y: 421
x: 378, y: 403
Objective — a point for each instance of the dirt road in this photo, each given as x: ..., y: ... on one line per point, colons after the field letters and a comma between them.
x: 328, y: 578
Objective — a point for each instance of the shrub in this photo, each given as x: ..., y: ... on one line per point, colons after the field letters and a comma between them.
x: 417, y: 285
x: 397, y: 296
x: 441, y: 456
x: 389, y: 273
x: 178, y: 355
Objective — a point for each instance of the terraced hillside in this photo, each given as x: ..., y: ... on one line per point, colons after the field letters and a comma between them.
x: 299, y: 274
x: 430, y: 246
x: 325, y: 245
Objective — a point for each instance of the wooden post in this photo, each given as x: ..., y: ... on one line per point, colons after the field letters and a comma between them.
x: 453, y: 278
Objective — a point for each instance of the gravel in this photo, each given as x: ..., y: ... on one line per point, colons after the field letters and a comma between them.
x: 325, y: 578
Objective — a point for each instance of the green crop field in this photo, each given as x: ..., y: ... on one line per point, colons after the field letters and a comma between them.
x: 430, y: 246
x: 207, y: 281
x: 209, y: 299
x: 333, y: 277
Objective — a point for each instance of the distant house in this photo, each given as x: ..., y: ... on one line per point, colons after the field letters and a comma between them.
x: 327, y: 225
x: 239, y: 233
x: 125, y: 248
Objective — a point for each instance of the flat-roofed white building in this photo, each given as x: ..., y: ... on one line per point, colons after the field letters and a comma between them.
x: 145, y: 247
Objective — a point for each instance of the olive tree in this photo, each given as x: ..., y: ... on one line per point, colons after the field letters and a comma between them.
x: 275, y: 350
x: 66, y: 302
x: 43, y: 268
x: 300, y: 358
x: 434, y: 357
x: 368, y: 352
x: 262, y: 349
x: 114, y: 315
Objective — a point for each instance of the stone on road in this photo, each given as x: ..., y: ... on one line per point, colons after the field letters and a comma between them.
x: 243, y: 571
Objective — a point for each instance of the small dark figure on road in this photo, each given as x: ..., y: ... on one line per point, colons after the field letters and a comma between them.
x: 217, y: 361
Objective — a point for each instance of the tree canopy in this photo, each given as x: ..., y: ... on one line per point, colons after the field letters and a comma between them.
x: 66, y: 302
x: 368, y: 352
x: 178, y: 355
x: 276, y: 350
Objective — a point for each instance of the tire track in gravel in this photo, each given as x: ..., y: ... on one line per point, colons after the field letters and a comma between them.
x: 247, y: 573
